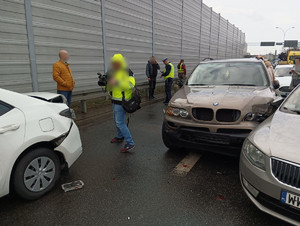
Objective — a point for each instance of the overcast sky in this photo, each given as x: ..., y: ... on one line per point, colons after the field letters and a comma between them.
x: 258, y: 19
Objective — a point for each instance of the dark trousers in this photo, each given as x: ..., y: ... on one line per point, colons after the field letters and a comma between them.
x: 168, y: 89
x: 67, y: 94
x: 152, y: 84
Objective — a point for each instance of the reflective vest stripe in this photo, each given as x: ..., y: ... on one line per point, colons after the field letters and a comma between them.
x: 181, y: 70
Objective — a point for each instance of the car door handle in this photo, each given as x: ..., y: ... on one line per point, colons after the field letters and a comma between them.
x: 8, y: 128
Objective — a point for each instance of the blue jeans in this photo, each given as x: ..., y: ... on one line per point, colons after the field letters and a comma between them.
x: 168, y: 89
x: 120, y: 121
x: 67, y: 94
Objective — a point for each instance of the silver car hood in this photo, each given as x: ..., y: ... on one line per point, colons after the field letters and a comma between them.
x: 278, y: 136
x: 284, y: 136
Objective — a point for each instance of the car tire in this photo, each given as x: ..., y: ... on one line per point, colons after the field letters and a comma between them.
x: 36, y: 173
x: 166, y: 139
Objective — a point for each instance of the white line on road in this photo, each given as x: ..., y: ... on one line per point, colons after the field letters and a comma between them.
x: 186, y: 164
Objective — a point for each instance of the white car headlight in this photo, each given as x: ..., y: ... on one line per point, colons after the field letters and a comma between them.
x: 177, y: 112
x: 184, y: 113
x: 254, y: 155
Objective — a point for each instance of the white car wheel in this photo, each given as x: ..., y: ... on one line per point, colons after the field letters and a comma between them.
x: 36, y: 173
x: 39, y: 174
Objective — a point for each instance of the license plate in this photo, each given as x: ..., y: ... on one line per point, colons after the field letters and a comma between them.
x: 290, y: 199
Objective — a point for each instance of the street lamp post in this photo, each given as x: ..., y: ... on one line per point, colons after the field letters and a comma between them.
x: 284, y: 31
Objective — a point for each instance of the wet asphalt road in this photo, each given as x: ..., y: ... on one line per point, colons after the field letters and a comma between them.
x: 139, y: 188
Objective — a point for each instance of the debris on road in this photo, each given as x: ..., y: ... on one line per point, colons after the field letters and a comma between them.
x: 75, y: 185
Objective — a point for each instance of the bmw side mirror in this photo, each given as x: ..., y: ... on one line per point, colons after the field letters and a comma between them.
x: 276, y: 84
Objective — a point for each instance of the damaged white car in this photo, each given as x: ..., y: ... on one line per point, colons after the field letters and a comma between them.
x: 37, y: 139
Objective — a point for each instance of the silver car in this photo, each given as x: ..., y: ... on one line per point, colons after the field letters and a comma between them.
x: 270, y: 162
x: 283, y: 76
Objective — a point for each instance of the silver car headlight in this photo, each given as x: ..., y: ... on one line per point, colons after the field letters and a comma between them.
x: 254, y: 155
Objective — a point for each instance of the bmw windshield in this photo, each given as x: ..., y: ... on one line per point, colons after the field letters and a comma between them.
x: 233, y: 73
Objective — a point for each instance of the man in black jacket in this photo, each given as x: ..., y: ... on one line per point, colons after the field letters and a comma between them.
x: 151, y: 72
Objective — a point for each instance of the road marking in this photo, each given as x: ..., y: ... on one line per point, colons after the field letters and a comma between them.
x: 186, y: 164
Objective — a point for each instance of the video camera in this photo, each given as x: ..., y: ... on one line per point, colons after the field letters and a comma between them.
x: 102, y: 79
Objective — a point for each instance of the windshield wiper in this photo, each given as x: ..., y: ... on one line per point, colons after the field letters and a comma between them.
x: 238, y: 84
x: 198, y: 84
x: 292, y: 110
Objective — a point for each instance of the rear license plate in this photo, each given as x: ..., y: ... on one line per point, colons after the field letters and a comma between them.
x: 290, y: 199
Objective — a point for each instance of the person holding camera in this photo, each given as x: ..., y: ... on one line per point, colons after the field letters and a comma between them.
x: 120, y: 84
x: 151, y: 72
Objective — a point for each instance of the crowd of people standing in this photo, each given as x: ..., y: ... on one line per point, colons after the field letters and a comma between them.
x: 120, y: 85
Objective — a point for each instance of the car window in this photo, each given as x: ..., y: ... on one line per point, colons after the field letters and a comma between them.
x: 237, y: 73
x: 283, y: 71
x: 4, y: 108
x: 292, y: 104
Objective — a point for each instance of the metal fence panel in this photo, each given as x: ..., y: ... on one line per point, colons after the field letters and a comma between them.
x: 214, y: 35
x: 167, y: 20
x: 14, y: 54
x: 205, y: 32
x: 229, y: 46
x: 191, y: 33
x: 179, y: 28
x: 129, y: 31
x: 73, y: 25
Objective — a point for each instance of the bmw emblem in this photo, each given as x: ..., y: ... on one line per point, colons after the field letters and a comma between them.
x: 216, y: 104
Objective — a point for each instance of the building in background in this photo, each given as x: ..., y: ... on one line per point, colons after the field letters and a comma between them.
x: 33, y: 31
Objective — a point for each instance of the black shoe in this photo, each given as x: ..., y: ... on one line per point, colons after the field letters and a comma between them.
x: 151, y: 98
x: 166, y: 102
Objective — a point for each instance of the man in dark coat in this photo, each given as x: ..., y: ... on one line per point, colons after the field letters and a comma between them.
x: 151, y: 73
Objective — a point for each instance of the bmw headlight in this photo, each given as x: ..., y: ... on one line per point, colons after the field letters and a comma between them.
x: 177, y: 112
x: 184, y: 113
x: 257, y: 117
x: 259, y: 113
x: 254, y: 155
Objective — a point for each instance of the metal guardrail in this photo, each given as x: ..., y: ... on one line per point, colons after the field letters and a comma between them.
x: 83, y: 96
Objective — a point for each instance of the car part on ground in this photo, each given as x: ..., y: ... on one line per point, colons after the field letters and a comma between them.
x: 75, y: 185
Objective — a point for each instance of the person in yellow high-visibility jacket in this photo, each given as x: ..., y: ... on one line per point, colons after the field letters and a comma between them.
x: 168, y: 75
x: 120, y: 85
x: 181, y: 70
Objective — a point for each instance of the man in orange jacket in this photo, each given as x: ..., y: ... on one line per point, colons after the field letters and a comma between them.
x: 62, y: 74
